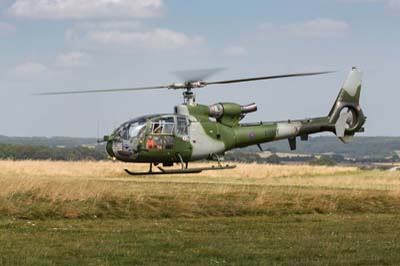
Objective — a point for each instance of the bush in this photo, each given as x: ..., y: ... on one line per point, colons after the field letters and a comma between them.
x: 323, y: 160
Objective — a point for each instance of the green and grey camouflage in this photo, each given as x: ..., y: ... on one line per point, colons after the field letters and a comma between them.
x: 196, y: 132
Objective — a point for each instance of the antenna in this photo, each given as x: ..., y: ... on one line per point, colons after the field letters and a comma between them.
x: 98, y: 129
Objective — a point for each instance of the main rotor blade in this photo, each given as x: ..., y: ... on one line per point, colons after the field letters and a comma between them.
x: 268, y: 77
x: 186, y: 85
x: 101, y: 91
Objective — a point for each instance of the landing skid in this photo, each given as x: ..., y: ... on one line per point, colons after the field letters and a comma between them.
x: 183, y: 170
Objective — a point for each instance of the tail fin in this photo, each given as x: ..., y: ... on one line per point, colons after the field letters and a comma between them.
x: 346, y: 113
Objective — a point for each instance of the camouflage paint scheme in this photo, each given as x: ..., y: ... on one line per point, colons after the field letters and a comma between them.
x: 212, y: 130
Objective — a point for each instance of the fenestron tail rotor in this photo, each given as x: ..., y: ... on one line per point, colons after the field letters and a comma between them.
x: 192, y: 79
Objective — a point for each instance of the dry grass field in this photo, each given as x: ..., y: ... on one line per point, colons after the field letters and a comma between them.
x: 40, y: 189
x: 92, y: 213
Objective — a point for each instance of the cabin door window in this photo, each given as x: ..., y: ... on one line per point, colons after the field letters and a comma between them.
x: 161, y: 134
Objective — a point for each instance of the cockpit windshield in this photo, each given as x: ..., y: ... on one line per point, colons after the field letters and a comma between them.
x: 134, y: 128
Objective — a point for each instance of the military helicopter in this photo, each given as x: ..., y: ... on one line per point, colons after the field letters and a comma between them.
x: 197, y: 132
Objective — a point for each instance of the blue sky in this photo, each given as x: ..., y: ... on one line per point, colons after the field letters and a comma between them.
x: 51, y: 45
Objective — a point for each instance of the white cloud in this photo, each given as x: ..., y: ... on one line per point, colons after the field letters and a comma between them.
x: 157, y: 39
x: 109, y: 25
x: 29, y: 69
x: 321, y: 28
x: 393, y: 6
x: 79, y: 9
x: 234, y: 51
x: 6, y: 28
x: 317, y: 28
x: 72, y: 59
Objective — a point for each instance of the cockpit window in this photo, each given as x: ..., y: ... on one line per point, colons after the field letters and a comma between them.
x: 182, y: 126
x: 135, y: 129
x: 122, y: 131
x: 163, y: 125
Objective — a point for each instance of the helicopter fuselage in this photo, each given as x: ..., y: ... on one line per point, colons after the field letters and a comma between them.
x: 196, y: 132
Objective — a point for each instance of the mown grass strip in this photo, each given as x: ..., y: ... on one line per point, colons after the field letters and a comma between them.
x: 262, y: 240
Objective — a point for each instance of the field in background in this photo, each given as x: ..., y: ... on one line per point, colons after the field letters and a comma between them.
x: 69, y: 213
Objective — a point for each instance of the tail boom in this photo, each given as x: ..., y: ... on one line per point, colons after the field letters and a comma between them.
x: 344, y: 120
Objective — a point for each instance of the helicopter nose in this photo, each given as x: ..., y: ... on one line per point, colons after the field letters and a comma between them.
x: 109, y: 149
x: 119, y: 149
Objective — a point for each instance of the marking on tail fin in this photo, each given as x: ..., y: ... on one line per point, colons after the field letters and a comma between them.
x: 353, y: 82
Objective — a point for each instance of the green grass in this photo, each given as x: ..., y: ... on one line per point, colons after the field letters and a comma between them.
x: 263, y: 240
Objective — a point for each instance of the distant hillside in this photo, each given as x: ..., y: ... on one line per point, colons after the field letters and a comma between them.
x: 373, y: 147
x: 67, y: 142
x: 361, y: 147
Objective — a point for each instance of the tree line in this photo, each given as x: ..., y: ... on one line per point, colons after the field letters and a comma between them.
x: 27, y: 152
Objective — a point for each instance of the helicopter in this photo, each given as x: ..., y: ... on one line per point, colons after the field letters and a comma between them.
x: 205, y: 132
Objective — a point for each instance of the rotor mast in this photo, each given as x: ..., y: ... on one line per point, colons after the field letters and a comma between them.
x: 189, y: 97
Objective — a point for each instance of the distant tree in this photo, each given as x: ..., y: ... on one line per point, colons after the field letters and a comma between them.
x: 25, y: 152
x: 273, y: 159
x: 323, y: 160
x: 395, y: 158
